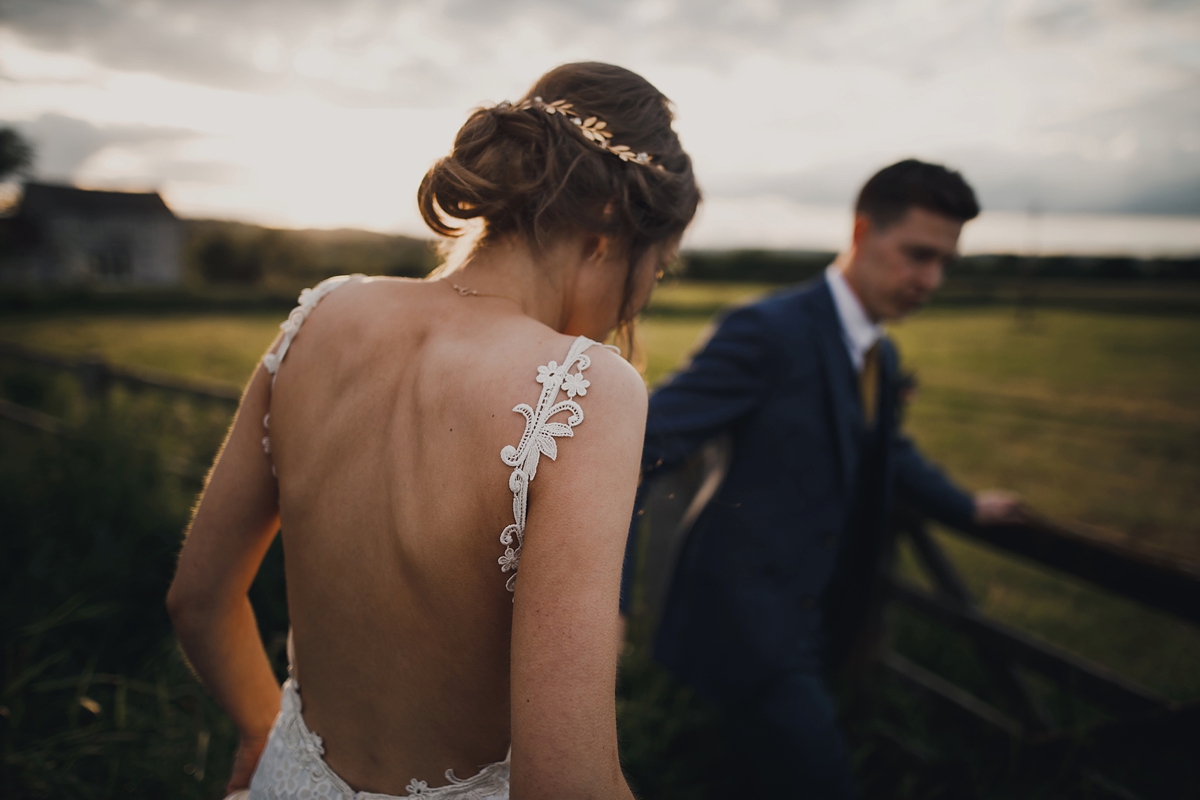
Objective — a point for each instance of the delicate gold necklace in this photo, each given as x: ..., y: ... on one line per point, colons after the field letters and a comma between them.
x: 465, y: 291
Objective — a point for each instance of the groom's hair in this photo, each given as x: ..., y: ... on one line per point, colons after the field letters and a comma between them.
x: 892, y: 191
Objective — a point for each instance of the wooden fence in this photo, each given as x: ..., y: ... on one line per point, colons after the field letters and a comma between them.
x: 1148, y: 577
x: 96, y: 376
x: 1008, y: 655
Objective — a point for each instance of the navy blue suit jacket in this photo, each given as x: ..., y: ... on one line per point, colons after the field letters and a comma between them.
x: 809, y: 489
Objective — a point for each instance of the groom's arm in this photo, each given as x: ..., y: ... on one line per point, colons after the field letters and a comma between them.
x: 724, y: 382
x: 923, y: 483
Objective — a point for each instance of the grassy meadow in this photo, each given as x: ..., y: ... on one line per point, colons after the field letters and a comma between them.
x: 1091, y: 416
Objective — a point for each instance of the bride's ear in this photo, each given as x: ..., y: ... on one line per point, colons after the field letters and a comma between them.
x: 597, y: 247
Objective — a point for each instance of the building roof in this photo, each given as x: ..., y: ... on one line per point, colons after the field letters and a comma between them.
x: 43, y: 199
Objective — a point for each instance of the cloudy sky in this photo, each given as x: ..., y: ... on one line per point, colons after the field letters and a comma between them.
x: 326, y: 113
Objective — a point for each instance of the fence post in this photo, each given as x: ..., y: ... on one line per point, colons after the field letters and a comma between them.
x: 94, y: 376
x: 1007, y: 675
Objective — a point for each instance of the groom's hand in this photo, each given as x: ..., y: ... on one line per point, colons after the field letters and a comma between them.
x: 996, y: 507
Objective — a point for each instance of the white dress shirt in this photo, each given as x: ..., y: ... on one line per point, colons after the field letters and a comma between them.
x: 858, y: 332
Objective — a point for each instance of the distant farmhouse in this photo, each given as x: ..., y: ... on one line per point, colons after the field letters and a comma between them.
x: 64, y: 235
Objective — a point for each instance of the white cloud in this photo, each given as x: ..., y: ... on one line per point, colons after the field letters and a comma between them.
x: 327, y: 113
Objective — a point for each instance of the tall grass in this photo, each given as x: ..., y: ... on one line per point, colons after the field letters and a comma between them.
x: 95, y: 699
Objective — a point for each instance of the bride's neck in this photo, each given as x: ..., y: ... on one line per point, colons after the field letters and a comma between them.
x: 511, y: 270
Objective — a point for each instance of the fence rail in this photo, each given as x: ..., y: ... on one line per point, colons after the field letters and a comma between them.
x: 1149, y: 576
x: 1093, y: 680
x: 96, y: 375
x: 1137, y: 573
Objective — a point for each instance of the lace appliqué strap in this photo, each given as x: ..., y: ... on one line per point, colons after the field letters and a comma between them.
x: 538, y: 440
x: 291, y: 326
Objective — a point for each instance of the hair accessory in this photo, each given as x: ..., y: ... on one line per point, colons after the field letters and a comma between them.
x: 593, y: 128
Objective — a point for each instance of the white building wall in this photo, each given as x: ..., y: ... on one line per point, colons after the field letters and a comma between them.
x: 113, y: 250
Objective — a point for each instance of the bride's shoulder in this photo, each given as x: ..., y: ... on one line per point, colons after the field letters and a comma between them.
x: 363, y: 302
x: 616, y: 378
x: 616, y: 393
x: 607, y: 388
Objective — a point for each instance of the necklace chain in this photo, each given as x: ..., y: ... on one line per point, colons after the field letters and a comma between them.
x: 466, y: 291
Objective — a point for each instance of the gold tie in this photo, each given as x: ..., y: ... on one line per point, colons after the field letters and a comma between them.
x: 868, y: 384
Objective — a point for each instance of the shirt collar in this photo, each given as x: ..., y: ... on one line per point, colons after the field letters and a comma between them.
x: 858, y: 331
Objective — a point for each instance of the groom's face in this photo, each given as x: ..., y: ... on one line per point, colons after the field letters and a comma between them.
x: 898, y: 267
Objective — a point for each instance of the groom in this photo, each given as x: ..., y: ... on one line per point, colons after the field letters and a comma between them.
x: 806, y: 382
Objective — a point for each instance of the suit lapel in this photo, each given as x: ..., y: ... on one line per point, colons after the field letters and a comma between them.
x: 840, y: 379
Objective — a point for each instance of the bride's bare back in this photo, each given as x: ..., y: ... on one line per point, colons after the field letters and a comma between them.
x: 388, y: 416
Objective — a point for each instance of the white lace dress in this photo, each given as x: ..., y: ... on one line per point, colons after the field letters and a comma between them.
x: 293, y: 766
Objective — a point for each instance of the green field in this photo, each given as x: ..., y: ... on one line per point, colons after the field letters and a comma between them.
x: 1090, y: 416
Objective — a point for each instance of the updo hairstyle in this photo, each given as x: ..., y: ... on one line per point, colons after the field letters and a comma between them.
x: 528, y: 173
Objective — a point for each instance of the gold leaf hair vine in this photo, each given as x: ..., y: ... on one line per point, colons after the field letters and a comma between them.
x: 593, y: 129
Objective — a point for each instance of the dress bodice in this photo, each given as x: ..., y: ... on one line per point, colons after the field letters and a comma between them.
x: 292, y: 767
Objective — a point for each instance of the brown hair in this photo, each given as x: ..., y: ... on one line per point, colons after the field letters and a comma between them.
x: 892, y: 191
x: 531, y: 174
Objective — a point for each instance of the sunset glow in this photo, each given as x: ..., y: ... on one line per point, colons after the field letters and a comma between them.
x: 326, y: 115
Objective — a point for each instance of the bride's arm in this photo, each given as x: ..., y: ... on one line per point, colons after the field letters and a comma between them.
x: 235, y: 521
x: 565, y: 624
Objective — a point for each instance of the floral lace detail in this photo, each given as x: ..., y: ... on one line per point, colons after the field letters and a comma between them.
x: 291, y: 326
x: 538, y: 440
x: 292, y: 767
